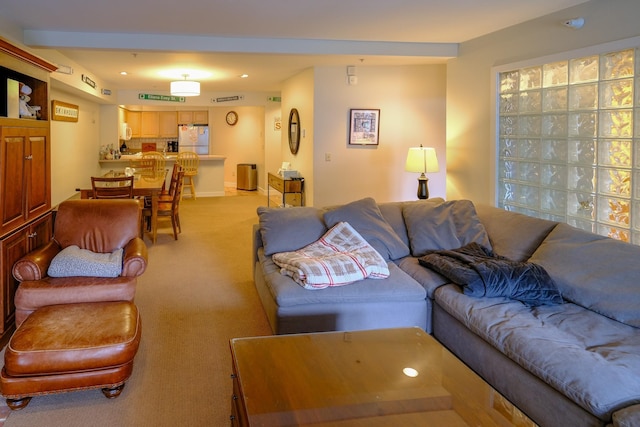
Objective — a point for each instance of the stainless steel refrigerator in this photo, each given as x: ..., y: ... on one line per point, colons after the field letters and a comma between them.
x: 193, y: 138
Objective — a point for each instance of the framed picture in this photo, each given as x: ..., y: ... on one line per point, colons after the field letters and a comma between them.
x: 64, y: 111
x: 364, y: 127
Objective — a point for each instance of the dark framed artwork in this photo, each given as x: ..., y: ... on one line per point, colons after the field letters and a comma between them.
x: 364, y: 127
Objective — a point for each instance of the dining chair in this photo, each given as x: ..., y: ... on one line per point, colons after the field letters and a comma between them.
x: 119, y: 187
x: 167, y: 208
x: 159, y: 161
x: 189, y: 161
x: 168, y: 194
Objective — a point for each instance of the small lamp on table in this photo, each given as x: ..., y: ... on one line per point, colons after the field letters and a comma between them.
x: 422, y: 160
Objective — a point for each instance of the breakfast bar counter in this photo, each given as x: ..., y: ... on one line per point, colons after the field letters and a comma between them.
x: 209, y: 181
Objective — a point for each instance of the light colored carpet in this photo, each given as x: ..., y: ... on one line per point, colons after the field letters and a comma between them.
x: 196, y: 295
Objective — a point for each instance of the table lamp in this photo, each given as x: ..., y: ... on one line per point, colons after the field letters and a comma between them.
x: 422, y: 159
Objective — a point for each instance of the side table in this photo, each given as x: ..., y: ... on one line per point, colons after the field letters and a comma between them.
x: 292, y: 189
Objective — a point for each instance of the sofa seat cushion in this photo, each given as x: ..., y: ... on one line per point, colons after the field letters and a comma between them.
x: 397, y: 287
x: 593, y: 360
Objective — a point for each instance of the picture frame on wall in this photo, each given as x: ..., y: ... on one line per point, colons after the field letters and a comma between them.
x: 364, y: 126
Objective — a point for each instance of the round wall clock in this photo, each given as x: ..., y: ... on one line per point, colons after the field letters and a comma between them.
x: 232, y: 118
x: 294, y: 131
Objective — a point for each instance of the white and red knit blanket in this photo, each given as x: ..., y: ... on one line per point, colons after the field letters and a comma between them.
x: 340, y: 257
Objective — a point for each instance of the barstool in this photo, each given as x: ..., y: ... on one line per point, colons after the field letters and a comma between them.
x: 189, y: 161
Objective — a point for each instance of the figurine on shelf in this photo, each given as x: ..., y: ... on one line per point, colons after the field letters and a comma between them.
x: 27, y: 111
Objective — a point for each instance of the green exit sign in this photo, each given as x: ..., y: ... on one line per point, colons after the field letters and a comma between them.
x: 168, y: 98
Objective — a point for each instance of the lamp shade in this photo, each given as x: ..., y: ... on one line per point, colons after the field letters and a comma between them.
x: 185, y: 88
x: 422, y: 159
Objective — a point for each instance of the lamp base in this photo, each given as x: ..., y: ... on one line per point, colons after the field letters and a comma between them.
x: 423, y: 189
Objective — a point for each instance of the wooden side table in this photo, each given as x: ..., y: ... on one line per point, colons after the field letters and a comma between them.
x: 292, y: 189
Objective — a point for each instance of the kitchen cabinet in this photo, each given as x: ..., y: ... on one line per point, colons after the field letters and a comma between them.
x: 168, y: 124
x: 150, y: 124
x: 134, y: 120
x: 193, y: 117
x: 12, y: 248
x: 25, y: 172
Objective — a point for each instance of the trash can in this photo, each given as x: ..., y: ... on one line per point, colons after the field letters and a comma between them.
x: 247, y: 176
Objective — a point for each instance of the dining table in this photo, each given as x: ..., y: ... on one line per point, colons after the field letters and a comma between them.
x: 143, y: 187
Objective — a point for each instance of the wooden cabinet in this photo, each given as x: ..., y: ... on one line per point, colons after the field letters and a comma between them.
x: 25, y: 171
x: 25, y: 186
x: 150, y: 124
x: 134, y: 120
x: 168, y: 124
x: 193, y: 117
x: 12, y: 248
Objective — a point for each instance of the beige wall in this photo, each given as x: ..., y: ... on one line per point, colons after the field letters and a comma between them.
x: 470, y: 147
x: 242, y: 143
x: 411, y: 100
x: 298, y: 93
x: 74, y: 148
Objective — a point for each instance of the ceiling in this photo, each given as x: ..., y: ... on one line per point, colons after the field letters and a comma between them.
x: 270, y: 40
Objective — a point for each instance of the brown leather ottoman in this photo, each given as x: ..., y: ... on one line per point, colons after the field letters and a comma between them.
x: 71, y: 347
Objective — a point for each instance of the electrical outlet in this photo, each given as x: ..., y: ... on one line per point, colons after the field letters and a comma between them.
x: 327, y: 157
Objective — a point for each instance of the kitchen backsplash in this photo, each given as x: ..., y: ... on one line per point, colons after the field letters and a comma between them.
x: 136, y: 145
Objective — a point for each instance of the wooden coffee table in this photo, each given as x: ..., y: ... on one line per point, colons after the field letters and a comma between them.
x: 387, y: 377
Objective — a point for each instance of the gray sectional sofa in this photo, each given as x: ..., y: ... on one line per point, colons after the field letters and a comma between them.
x: 571, y: 364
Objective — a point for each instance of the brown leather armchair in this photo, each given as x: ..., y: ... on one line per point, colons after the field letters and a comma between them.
x: 100, y: 226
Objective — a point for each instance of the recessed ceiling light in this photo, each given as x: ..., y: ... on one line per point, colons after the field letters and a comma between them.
x: 244, y: 76
x: 123, y: 73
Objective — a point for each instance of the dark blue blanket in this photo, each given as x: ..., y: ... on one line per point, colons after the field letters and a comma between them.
x: 482, y: 273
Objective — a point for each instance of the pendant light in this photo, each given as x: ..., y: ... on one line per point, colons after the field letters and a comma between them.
x: 185, y: 87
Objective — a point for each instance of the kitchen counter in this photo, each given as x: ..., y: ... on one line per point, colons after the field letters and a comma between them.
x: 209, y: 181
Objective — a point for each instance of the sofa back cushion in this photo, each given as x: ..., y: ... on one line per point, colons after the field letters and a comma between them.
x: 595, y: 272
x: 448, y: 225
x: 365, y: 217
x: 289, y: 229
x: 513, y: 235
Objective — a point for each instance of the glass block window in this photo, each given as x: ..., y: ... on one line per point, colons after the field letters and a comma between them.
x: 569, y: 142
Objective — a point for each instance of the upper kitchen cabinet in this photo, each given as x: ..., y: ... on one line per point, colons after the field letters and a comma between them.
x: 193, y: 117
x: 168, y: 126
x: 150, y: 124
x: 134, y: 120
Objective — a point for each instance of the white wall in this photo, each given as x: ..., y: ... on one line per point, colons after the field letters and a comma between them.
x: 470, y: 148
x: 411, y: 100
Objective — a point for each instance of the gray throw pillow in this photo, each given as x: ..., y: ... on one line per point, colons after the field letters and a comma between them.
x: 447, y: 225
x: 289, y: 229
x: 593, y: 271
x: 365, y: 217
x: 73, y: 261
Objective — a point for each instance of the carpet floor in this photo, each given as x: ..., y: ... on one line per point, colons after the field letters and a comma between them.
x: 196, y: 294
